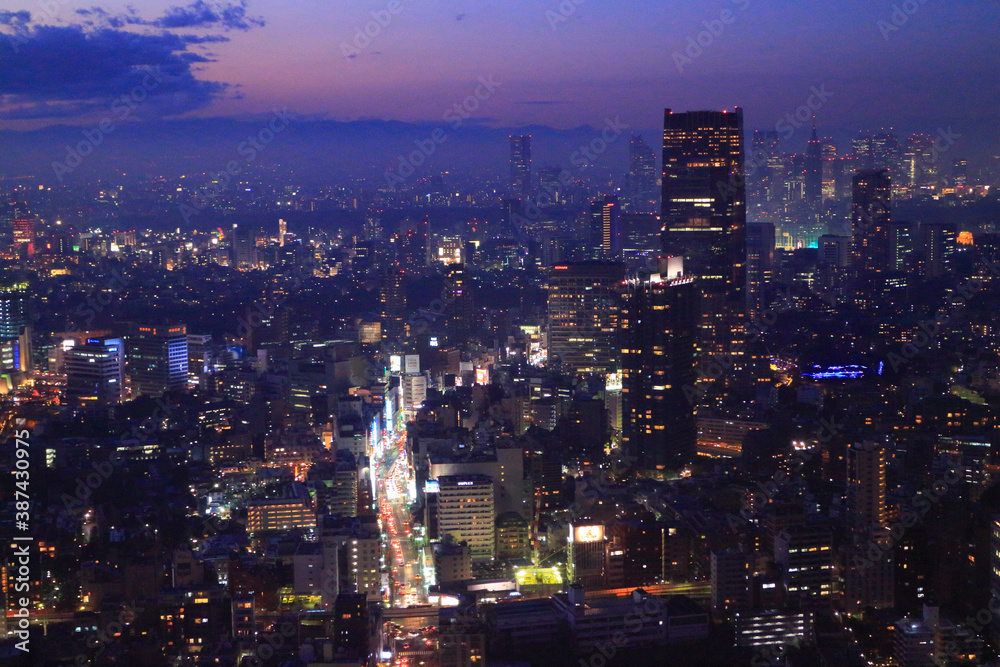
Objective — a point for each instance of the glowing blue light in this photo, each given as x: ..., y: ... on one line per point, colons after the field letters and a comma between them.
x: 849, y: 371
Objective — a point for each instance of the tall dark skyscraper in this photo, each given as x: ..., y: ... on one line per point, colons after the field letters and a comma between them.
x: 765, y: 183
x: 870, y: 214
x: 641, y: 181
x: 411, y: 244
x: 243, y: 247
x: 605, y: 229
x: 814, y: 170
x: 704, y: 218
x: 886, y: 152
x: 760, y: 263
x: 520, y: 165
x: 460, y: 311
x: 937, y: 248
x: 658, y: 325
x: 872, y: 250
x: 392, y: 302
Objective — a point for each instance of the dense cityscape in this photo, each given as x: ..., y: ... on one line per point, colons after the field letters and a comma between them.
x: 723, y: 396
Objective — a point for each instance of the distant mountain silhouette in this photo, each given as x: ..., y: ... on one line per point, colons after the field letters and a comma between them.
x: 319, y: 151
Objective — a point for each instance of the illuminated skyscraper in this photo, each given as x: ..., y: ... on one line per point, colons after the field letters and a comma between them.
x: 658, y: 324
x: 605, y: 229
x: 282, y: 231
x: 24, y: 234
x: 584, y: 304
x: 867, y: 582
x: 466, y: 511
x: 520, y: 165
x: 901, y: 245
x: 95, y: 372
x: 937, y: 248
x: 960, y: 173
x: 158, y: 359
x: 886, y: 153
x: 243, y: 247
x: 866, y: 486
x: 704, y: 220
x: 12, y: 315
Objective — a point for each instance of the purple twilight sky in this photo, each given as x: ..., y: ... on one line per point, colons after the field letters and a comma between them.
x: 918, y: 65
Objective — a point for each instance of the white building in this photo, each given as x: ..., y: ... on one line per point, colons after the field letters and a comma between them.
x: 467, y: 513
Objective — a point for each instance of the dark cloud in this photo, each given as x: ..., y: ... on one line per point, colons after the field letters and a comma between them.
x: 69, y: 71
x: 197, y: 14
x: 207, y: 39
x: 95, y: 17
x: 201, y: 14
x: 16, y: 19
x: 64, y: 72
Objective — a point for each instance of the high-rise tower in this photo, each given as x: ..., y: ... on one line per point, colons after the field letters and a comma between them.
x: 392, y: 302
x: 605, y: 229
x: 641, y: 182
x: 870, y: 210
x: 158, y: 359
x: 866, y: 486
x: 704, y: 220
x: 814, y: 170
x: 657, y: 328
x: 12, y: 315
x: 520, y: 165
x: 584, y: 303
